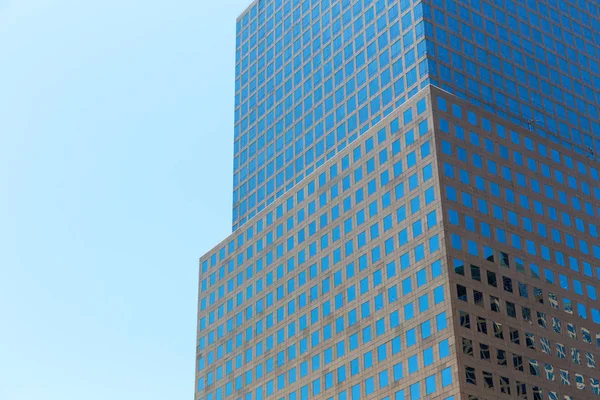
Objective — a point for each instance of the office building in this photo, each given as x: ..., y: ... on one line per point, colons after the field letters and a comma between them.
x: 312, y: 75
x: 416, y: 205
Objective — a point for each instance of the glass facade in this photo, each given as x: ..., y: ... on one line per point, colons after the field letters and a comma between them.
x: 312, y: 75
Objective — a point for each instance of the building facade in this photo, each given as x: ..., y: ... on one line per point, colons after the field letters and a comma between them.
x: 416, y: 205
x: 312, y: 75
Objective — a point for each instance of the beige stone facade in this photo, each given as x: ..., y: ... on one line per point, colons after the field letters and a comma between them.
x: 357, y: 282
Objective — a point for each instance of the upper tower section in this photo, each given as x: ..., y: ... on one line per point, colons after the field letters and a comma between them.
x: 310, y: 77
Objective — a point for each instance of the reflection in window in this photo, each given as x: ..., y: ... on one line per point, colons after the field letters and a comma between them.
x: 501, y: 357
x: 461, y: 292
x: 511, y: 310
x: 519, y: 265
x: 504, y: 259
x: 467, y: 347
x: 475, y: 273
x: 518, y: 362
x: 470, y: 375
x: 534, y: 270
x: 538, y: 295
x: 526, y: 314
x: 484, y: 351
x: 495, y: 304
x: 553, y: 299
x: 564, y: 377
x: 459, y: 267
x: 523, y: 290
x: 545, y: 345
x: 537, y: 393
x: 507, y: 283
x: 530, y: 340
x: 498, y: 332
x: 575, y: 356
x: 549, y: 372
x: 521, y: 390
x: 560, y: 351
x: 541, y: 317
x: 534, y: 368
x: 465, y: 320
x: 481, y: 325
x: 488, y: 380
x: 579, y: 382
x: 491, y: 279
x: 595, y: 385
x: 571, y: 330
x: 504, y: 385
x: 586, y: 336
x: 478, y: 298
x: 568, y: 306
x: 590, y: 360
x: 556, y: 324
x: 488, y: 253
x: 514, y: 336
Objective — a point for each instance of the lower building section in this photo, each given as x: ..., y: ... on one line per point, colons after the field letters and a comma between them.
x: 444, y: 254
x: 339, y: 290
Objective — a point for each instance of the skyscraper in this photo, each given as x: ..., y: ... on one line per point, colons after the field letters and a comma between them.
x: 416, y: 205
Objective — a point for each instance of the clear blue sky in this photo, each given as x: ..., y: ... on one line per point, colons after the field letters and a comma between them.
x: 116, y: 125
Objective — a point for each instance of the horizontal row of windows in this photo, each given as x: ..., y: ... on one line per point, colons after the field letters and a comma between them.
x: 485, y: 352
x: 325, y: 386
x: 492, y: 145
x: 261, y: 366
x: 322, y: 336
x: 510, y: 309
x: 551, y: 10
x: 496, y: 329
x: 523, y: 288
x: 491, y: 381
x: 531, y: 247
